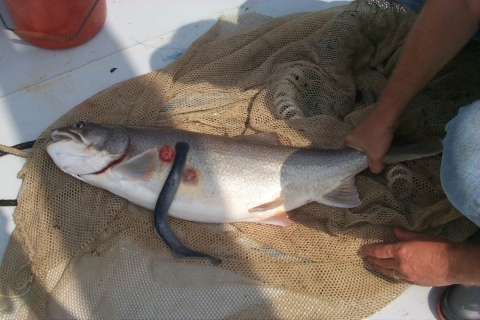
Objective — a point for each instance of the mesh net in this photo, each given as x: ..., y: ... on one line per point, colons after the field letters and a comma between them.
x: 82, y: 252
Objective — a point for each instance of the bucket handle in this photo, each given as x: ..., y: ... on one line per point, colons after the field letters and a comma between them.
x: 47, y: 36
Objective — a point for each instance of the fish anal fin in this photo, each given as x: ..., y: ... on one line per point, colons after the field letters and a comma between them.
x: 267, y: 206
x: 140, y: 167
x: 280, y: 218
x: 344, y: 195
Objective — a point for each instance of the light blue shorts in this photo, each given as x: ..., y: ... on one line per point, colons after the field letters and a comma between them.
x: 460, y: 169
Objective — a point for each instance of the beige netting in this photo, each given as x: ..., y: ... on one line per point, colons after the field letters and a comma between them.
x: 82, y: 252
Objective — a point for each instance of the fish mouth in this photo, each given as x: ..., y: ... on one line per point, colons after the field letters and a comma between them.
x: 60, y: 135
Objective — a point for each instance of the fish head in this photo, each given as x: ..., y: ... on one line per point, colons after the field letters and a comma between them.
x: 87, y: 148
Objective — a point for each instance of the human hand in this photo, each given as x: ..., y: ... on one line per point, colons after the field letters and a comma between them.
x: 419, y: 259
x: 373, y: 137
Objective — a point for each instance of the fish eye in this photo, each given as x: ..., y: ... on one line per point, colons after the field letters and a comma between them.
x: 79, y: 125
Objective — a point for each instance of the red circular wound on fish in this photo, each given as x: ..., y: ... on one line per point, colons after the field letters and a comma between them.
x: 166, y: 154
x: 190, y: 176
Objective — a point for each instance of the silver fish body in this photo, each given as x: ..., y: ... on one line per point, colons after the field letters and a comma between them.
x: 224, y: 180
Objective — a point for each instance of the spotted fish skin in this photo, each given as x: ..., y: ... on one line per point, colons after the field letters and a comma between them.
x: 224, y: 180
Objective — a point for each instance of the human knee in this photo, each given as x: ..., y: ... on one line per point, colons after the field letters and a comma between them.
x: 460, y: 170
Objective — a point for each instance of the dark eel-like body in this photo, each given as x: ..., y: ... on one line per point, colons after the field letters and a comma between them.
x: 165, y: 199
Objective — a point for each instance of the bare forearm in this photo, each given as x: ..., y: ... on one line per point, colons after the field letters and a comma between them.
x: 441, y: 30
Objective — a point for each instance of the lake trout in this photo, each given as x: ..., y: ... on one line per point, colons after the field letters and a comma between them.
x: 224, y: 180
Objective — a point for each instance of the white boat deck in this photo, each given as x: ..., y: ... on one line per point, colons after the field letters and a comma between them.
x: 37, y: 86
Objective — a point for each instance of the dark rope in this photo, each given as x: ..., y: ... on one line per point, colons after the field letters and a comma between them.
x: 8, y: 203
x: 20, y: 146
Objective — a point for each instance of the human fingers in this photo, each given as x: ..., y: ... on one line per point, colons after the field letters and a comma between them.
x: 379, y: 251
x: 388, y: 263
x: 351, y: 140
x: 375, y: 165
x: 392, y: 273
x: 388, y: 266
x: 355, y: 139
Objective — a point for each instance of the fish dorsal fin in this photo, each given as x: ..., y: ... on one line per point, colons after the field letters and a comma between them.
x: 344, y: 195
x: 140, y: 167
x: 267, y: 206
x: 270, y: 138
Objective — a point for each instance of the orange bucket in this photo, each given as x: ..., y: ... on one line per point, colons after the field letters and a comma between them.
x: 56, y: 24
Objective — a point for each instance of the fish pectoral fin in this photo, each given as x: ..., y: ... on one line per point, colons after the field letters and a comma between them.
x: 344, y: 195
x: 267, y: 206
x: 140, y: 167
x: 280, y: 218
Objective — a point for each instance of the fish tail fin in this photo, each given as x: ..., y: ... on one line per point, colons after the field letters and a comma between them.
x: 408, y: 143
x: 408, y: 127
x: 413, y: 150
